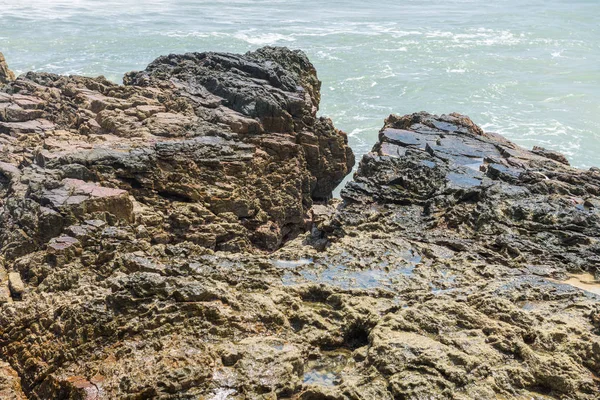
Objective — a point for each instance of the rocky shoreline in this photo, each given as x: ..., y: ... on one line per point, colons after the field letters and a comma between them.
x: 175, y: 237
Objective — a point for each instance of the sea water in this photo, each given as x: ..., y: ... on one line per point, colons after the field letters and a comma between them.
x: 529, y: 69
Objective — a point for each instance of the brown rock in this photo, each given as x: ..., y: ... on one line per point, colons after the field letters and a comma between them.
x: 194, y: 265
x: 10, y: 383
x: 6, y: 75
x: 15, y: 283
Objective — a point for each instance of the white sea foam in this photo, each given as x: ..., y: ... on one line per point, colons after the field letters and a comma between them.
x: 439, y: 34
x: 556, y: 99
x: 393, y: 50
x: 181, y: 34
x: 456, y: 70
x: 263, y: 38
x: 326, y: 55
x: 358, y: 131
x: 358, y: 78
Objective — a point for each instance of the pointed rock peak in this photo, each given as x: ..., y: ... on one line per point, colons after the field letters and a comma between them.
x: 6, y: 75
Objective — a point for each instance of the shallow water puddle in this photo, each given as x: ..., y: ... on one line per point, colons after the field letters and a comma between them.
x: 476, y: 164
x: 326, y: 371
x: 585, y: 282
x: 362, y: 279
x: 379, y: 275
x: 529, y: 305
x: 292, y: 263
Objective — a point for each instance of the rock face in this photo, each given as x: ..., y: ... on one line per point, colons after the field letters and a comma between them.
x: 10, y: 385
x: 6, y: 75
x: 477, y: 189
x: 496, y: 228
x: 220, y: 150
x: 159, y: 240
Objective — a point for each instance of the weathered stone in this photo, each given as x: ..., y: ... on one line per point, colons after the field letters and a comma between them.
x: 554, y: 155
x: 250, y: 144
x: 5, y: 296
x: 457, y: 266
x: 6, y: 75
x: 85, y: 198
x: 17, y: 287
x: 10, y: 384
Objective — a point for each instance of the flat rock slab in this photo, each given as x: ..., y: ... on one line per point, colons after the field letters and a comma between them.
x: 86, y: 198
x: 33, y: 126
x: 15, y: 283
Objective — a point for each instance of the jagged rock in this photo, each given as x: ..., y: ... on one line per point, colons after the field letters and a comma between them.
x: 5, y: 296
x: 138, y: 216
x: 471, y: 186
x: 554, y: 155
x: 196, y: 136
x: 6, y: 75
x: 10, y: 385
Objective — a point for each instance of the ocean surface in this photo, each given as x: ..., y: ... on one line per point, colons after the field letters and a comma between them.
x: 529, y: 69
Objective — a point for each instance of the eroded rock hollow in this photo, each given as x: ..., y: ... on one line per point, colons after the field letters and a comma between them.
x: 171, y: 238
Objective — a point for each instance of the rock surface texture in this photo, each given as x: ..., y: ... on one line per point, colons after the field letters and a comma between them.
x: 219, y: 150
x: 159, y: 240
x: 6, y: 75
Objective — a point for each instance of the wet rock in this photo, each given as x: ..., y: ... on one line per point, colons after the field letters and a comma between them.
x: 515, y: 203
x: 554, y: 155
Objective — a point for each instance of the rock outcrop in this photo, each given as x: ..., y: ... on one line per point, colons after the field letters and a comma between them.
x: 6, y: 75
x: 159, y: 240
x: 220, y: 150
x: 485, y: 312
x: 482, y: 192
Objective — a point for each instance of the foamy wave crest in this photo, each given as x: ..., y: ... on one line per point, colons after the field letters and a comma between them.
x: 478, y: 37
x: 263, y: 39
x: 357, y: 131
x: 181, y: 34
x: 327, y: 56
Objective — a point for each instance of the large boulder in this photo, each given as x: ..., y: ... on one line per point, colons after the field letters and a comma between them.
x: 478, y: 190
x: 225, y: 151
x: 104, y: 186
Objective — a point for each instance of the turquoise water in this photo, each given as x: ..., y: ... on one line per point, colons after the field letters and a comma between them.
x: 529, y: 69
